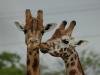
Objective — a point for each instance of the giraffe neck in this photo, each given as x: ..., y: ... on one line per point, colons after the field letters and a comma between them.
x: 73, y: 65
x: 33, y: 61
x: 69, y: 56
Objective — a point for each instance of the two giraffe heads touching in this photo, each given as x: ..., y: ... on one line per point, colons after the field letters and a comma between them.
x: 61, y: 44
x: 60, y: 41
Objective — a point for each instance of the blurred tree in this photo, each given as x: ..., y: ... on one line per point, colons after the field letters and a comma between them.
x: 90, y: 60
x: 10, y: 65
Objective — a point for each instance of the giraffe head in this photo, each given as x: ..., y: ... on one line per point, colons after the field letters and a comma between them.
x: 34, y: 28
x: 61, y: 39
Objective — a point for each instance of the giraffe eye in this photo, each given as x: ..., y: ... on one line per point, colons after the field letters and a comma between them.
x: 65, y: 41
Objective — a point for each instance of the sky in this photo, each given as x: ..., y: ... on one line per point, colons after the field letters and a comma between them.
x: 85, y: 12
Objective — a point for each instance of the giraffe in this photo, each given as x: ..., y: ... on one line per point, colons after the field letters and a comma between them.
x: 33, y: 30
x: 63, y: 45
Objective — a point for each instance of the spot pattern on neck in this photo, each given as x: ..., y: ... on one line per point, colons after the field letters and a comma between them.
x: 32, y: 61
x: 72, y: 72
x: 79, y: 66
x: 70, y: 57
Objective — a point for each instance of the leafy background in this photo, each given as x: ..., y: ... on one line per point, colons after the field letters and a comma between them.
x: 10, y: 64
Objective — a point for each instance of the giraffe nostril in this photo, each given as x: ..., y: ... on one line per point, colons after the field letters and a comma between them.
x: 43, y: 50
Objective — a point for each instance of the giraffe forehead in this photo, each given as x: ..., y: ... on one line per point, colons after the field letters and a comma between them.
x: 68, y: 38
x: 65, y: 37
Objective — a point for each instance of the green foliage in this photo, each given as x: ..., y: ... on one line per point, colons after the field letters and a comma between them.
x: 91, y: 60
x: 11, y: 71
x: 10, y: 65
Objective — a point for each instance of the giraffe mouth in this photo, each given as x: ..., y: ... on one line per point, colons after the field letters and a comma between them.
x: 44, y: 50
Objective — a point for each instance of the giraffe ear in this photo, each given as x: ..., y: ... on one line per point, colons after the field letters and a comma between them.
x: 50, y: 27
x: 19, y: 26
x: 81, y: 42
